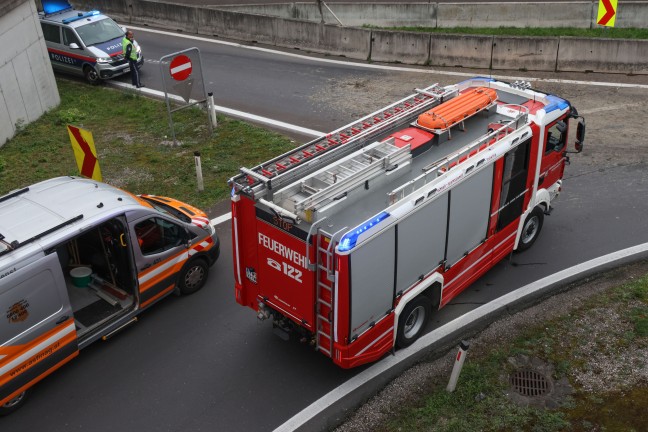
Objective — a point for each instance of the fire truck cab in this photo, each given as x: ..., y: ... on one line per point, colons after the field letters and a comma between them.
x: 352, y: 240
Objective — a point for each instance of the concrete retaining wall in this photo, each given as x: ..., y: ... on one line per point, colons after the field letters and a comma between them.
x: 350, y: 14
x: 524, y: 53
x: 27, y: 85
x: 344, y: 41
x: 581, y: 14
x: 603, y: 55
x: 563, y: 14
x: 461, y: 50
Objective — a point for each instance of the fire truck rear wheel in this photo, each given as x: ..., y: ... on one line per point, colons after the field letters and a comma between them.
x: 192, y: 277
x: 531, y: 229
x: 413, y: 320
x: 14, y: 403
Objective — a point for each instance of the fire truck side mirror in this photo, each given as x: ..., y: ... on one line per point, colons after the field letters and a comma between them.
x: 580, y: 136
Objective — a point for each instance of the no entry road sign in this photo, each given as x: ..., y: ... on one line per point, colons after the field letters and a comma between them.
x: 180, y: 67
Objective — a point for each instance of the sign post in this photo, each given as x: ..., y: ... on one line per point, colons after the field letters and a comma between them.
x: 181, y: 71
x: 84, y: 152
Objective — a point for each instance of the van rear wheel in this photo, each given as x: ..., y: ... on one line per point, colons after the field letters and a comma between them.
x: 13, y: 404
x: 193, y: 277
x: 91, y: 75
x: 412, y: 321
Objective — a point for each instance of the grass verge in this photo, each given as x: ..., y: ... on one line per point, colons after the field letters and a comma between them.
x: 603, y: 32
x: 597, y: 355
x: 132, y: 137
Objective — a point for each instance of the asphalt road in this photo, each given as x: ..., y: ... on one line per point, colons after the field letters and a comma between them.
x: 204, y: 363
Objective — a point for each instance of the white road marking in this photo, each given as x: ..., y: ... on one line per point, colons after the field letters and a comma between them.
x: 229, y: 111
x: 386, y: 67
x: 220, y: 219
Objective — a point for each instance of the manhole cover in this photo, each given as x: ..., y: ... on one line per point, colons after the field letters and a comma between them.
x: 529, y: 383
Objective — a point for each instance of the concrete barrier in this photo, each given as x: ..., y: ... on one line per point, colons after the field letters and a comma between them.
x: 461, y: 50
x: 165, y: 15
x: 401, y: 47
x: 324, y: 38
x: 239, y: 26
x: 117, y: 9
x: 563, y: 14
x: 603, y: 55
x: 351, y: 14
x: 525, y: 53
x: 573, y: 54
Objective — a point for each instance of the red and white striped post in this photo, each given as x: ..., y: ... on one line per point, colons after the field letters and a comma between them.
x: 459, y: 361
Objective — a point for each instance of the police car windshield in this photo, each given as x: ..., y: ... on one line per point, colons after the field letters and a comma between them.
x: 99, y: 31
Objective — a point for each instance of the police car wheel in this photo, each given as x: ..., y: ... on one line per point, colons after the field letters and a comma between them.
x: 413, y: 320
x: 91, y: 75
x: 531, y: 229
x: 13, y: 404
x: 193, y: 277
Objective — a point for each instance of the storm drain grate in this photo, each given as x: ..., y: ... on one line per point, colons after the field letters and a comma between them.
x: 529, y: 383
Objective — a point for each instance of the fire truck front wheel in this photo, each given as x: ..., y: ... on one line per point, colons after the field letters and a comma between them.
x: 531, y: 229
x: 413, y: 320
x: 13, y: 404
x: 193, y: 276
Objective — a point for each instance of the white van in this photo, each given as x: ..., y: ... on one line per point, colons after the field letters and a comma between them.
x: 79, y: 260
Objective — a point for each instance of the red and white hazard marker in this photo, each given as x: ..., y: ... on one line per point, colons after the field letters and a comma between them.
x: 180, y: 67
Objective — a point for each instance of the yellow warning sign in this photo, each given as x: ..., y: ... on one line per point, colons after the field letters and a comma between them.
x: 84, y: 152
x: 606, y: 13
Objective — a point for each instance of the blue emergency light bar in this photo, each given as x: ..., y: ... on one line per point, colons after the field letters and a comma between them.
x: 556, y: 103
x: 81, y: 16
x: 350, y: 239
x: 54, y: 6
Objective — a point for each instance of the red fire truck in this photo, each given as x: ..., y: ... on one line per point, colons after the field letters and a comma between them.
x: 352, y: 240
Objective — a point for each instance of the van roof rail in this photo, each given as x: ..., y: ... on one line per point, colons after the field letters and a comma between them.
x: 16, y: 244
x: 14, y: 194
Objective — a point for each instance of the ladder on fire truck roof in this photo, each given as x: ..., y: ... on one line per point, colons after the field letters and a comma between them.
x: 333, y: 181
x: 345, y: 140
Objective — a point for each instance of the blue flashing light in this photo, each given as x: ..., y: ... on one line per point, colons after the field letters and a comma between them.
x: 85, y: 15
x: 54, y: 6
x: 350, y: 239
x: 556, y: 103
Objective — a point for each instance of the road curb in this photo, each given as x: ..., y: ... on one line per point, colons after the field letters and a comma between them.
x: 331, y: 409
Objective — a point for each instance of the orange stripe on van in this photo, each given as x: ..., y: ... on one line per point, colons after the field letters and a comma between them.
x: 38, y: 357
x: 157, y: 296
x: 12, y: 350
x: 39, y: 378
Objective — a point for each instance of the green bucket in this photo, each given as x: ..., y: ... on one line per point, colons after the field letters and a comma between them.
x: 81, y: 276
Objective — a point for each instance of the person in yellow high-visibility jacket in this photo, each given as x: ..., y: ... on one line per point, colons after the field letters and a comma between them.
x: 130, y: 54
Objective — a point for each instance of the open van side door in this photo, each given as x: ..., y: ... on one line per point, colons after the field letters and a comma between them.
x: 37, y: 331
x: 160, y: 250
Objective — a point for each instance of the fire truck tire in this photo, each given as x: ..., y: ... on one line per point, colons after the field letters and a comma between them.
x: 531, y: 229
x: 193, y: 276
x: 91, y: 75
x: 14, y: 403
x: 413, y: 320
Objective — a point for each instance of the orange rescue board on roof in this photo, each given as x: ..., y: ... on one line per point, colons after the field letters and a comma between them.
x: 455, y: 110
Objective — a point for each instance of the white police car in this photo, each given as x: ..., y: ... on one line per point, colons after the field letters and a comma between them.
x: 84, y: 43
